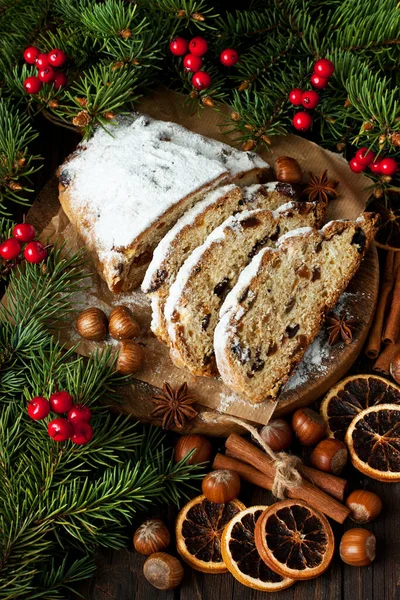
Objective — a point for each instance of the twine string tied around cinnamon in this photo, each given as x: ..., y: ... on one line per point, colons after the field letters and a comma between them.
x: 286, y: 465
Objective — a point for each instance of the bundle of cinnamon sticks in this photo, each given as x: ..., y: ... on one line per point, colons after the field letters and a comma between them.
x: 384, y: 338
x: 320, y: 490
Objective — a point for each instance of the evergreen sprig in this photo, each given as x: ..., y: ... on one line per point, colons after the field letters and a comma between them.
x: 60, y: 501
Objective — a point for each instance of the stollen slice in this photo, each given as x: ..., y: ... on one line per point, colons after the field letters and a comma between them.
x: 210, y: 272
x: 280, y: 301
x: 192, y: 229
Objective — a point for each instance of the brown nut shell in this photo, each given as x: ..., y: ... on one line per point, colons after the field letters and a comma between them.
x: 288, y: 170
x: 308, y: 426
x: 152, y: 536
x: 122, y: 324
x: 277, y: 434
x: 92, y: 324
x: 201, y: 446
x: 221, y: 486
x: 365, y: 506
x: 130, y: 358
x: 357, y: 547
x: 330, y: 456
x: 163, y: 571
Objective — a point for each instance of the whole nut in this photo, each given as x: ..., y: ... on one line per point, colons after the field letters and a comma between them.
x: 277, y: 434
x: 365, y: 506
x: 163, y: 571
x: 221, y: 486
x: 92, y: 324
x: 357, y: 547
x: 121, y: 324
x: 201, y: 446
x: 308, y: 426
x: 330, y: 456
x: 130, y: 357
x: 152, y: 536
x: 395, y: 368
x: 288, y: 170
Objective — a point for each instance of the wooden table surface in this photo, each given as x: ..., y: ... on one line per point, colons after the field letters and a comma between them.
x: 119, y: 576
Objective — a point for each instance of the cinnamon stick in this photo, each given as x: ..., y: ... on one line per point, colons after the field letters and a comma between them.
x: 250, y: 454
x: 375, y: 335
x: 391, y: 332
x: 335, y: 486
x: 382, y: 364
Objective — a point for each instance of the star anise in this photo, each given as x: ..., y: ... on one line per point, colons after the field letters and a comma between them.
x: 321, y: 189
x: 174, y: 406
x: 340, y: 328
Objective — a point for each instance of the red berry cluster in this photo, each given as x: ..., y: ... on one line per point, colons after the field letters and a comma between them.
x: 366, y: 158
x: 45, y: 64
x: 323, y: 69
x: 193, y: 61
x: 76, y: 426
x: 23, y: 233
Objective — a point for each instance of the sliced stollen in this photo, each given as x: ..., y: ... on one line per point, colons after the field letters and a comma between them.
x: 126, y: 186
x: 192, y: 229
x: 280, y: 301
x: 207, y: 275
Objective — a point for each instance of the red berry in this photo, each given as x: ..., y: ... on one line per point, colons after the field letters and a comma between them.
x: 60, y: 402
x: 192, y: 63
x: 355, y: 166
x: 201, y: 80
x: 59, y: 429
x: 302, y: 121
x: 318, y: 82
x: 35, y: 252
x: 32, y: 84
x: 79, y: 413
x: 388, y: 166
x: 46, y: 74
x: 31, y: 54
x: 364, y: 156
x: 296, y: 96
x: 60, y: 79
x: 310, y: 99
x: 56, y: 57
x: 42, y: 61
x: 38, y: 408
x: 376, y: 167
x: 82, y: 433
x: 23, y: 232
x: 10, y: 249
x: 324, y: 67
x: 229, y: 57
x: 179, y: 46
x: 198, y: 46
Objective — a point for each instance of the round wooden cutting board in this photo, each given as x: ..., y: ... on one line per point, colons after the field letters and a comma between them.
x: 322, y: 365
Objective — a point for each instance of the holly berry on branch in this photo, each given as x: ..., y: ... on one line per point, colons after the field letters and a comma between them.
x: 323, y: 70
x: 366, y: 158
x: 45, y: 64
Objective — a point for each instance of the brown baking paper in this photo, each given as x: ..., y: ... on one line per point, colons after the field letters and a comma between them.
x: 158, y: 367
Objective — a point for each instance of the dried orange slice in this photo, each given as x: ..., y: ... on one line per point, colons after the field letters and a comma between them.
x: 241, y: 556
x: 199, y: 528
x: 352, y: 395
x: 373, y: 440
x: 294, y: 539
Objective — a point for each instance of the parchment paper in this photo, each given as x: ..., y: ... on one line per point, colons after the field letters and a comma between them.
x: 158, y: 368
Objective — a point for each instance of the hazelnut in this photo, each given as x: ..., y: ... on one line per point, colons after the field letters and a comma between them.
x: 330, y: 455
x: 121, y: 324
x: 288, y: 170
x: 201, y: 446
x: 365, y: 506
x: 92, y: 324
x: 130, y: 357
x: 308, y: 426
x: 395, y: 368
x: 221, y: 486
x: 357, y: 547
x: 163, y: 571
x: 277, y: 434
x: 152, y: 536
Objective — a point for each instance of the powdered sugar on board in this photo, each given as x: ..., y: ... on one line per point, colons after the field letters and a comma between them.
x: 319, y: 354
